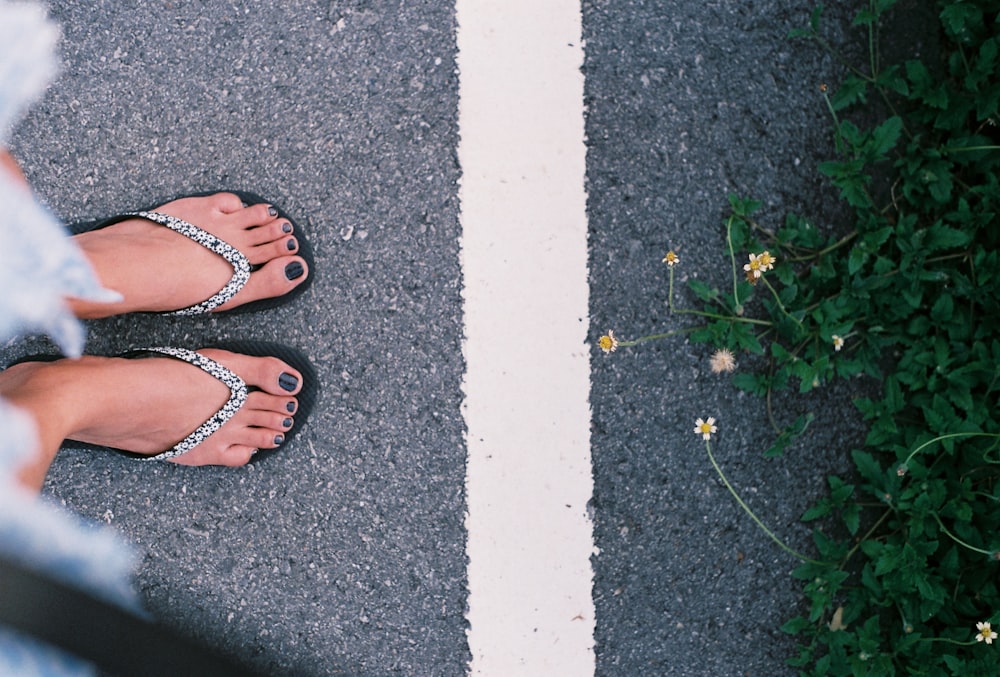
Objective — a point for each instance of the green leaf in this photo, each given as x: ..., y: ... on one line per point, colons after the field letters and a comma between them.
x: 856, y: 260
x: 852, y: 91
x: 960, y: 19
x: 743, y: 207
x: 864, y: 17
x: 702, y: 290
x: 940, y: 236
x: 851, y: 515
x: 913, y: 297
x: 868, y: 467
x: 893, y: 395
x: 943, y: 309
x: 847, y: 176
x: 744, y: 338
x: 961, y: 398
x: 840, y: 490
x: 821, y: 510
x: 885, y: 137
x: 751, y: 383
x: 874, y: 239
x: 796, y: 625
x: 925, y: 87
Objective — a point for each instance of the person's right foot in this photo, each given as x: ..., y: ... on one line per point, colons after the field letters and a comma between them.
x: 156, y: 269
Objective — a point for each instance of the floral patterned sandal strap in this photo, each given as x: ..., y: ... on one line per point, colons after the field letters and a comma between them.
x: 239, y: 262
x: 237, y: 396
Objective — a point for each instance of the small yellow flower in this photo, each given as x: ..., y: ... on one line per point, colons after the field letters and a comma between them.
x: 838, y: 343
x: 754, y: 267
x: 608, y: 342
x: 759, y: 264
x: 722, y: 360
x: 705, y: 428
x: 766, y: 261
x: 671, y: 259
x: 986, y: 632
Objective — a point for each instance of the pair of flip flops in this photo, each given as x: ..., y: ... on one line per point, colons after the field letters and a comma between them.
x: 241, y: 273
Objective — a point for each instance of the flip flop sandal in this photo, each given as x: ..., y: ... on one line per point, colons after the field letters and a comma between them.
x: 238, y: 392
x: 241, y: 266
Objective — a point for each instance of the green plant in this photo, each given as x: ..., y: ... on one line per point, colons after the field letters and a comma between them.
x: 908, y: 558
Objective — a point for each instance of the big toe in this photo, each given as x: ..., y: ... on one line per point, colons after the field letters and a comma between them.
x: 275, y: 278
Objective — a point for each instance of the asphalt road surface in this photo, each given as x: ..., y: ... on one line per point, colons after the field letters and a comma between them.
x: 345, y: 555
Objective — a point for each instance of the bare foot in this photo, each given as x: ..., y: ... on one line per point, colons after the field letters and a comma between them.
x: 148, y: 405
x: 157, y: 269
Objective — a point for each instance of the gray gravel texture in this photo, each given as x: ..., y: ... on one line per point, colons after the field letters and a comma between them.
x: 687, y: 103
x: 343, y: 554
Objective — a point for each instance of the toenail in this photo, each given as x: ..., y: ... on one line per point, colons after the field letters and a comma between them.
x: 278, y: 439
x: 287, y: 423
x: 288, y: 382
x: 290, y: 407
x: 294, y: 270
x: 272, y: 211
x: 286, y: 228
x: 290, y: 244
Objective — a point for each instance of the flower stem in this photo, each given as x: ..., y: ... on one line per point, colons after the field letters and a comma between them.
x: 671, y: 293
x: 960, y: 149
x: 748, y: 511
x: 945, y: 437
x: 655, y: 337
x: 732, y: 257
x: 731, y: 318
x: 777, y: 300
x: 864, y: 538
x: 971, y: 642
x: 838, y: 138
x: 957, y: 539
x: 826, y: 250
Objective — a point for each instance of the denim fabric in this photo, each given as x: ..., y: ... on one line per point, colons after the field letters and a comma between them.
x: 39, y: 265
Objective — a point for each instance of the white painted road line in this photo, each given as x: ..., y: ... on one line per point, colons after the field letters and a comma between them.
x: 524, y: 249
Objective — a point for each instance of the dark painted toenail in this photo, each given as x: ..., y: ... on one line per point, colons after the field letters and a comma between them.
x: 278, y: 439
x: 294, y: 270
x: 290, y: 244
x: 286, y: 228
x: 288, y: 382
x: 290, y: 407
x: 272, y: 211
x: 287, y: 423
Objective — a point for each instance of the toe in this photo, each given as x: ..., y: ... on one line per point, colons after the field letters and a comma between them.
x: 276, y: 231
x: 281, y: 405
x: 277, y: 277
x: 269, y: 374
x: 283, y: 245
x: 260, y: 438
x: 227, y: 203
x: 271, y: 420
x: 237, y: 455
x: 256, y: 215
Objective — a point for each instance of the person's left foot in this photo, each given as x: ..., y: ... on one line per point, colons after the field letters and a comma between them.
x: 147, y: 405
